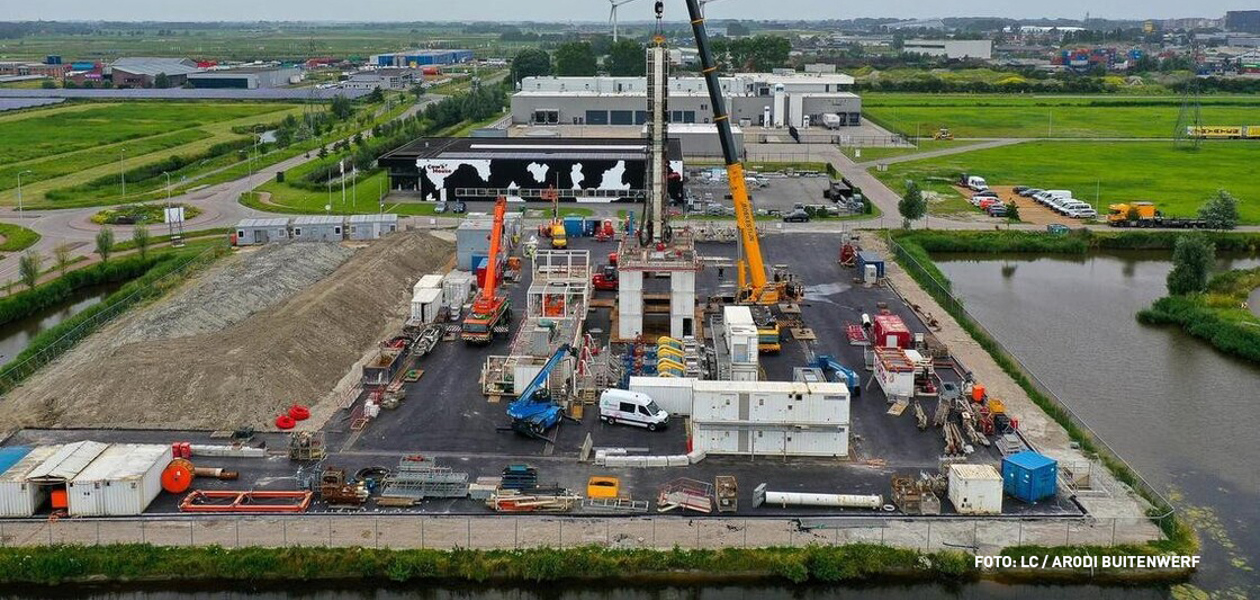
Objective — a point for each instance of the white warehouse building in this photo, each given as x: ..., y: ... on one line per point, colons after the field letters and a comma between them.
x: 753, y: 99
x: 981, y: 49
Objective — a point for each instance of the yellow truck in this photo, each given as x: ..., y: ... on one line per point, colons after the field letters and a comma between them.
x: 559, y: 239
x: 1144, y: 214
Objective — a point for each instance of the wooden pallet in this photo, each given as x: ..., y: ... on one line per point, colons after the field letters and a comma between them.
x: 803, y: 334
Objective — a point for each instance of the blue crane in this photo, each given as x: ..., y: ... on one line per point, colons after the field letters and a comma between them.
x: 835, y: 371
x: 535, y: 411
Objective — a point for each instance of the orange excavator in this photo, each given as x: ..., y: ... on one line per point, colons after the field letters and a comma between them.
x: 491, y: 308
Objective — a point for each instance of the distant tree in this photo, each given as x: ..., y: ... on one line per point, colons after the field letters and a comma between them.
x: 341, y: 107
x: 140, y: 235
x: 377, y: 95
x: 161, y: 81
x: 601, y: 44
x: 626, y: 58
x: 1193, y: 256
x: 1012, y: 212
x: 61, y: 253
x: 912, y: 205
x: 29, y: 267
x: 105, y: 243
x: 48, y: 84
x: 1220, y: 211
x: 358, y: 139
x: 530, y: 62
x: 737, y: 29
x: 575, y: 59
x: 417, y: 90
x: 323, y: 152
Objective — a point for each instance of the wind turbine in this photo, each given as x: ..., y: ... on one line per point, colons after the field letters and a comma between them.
x: 612, y: 14
x: 704, y: 2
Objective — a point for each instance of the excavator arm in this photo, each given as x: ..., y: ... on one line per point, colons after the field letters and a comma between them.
x: 756, y: 288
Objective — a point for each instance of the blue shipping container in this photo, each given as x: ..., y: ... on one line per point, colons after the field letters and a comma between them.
x: 1029, y: 477
x: 12, y: 456
x: 573, y: 226
x: 590, y: 226
x: 870, y: 258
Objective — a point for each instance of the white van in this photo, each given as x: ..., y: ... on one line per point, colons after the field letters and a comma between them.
x: 631, y: 408
x: 977, y: 184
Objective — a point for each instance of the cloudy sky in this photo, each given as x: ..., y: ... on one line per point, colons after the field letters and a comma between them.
x: 590, y: 10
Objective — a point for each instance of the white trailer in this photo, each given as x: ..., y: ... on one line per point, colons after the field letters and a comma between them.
x: 122, y: 481
x: 832, y: 121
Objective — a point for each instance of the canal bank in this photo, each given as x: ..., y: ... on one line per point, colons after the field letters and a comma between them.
x: 1181, y: 411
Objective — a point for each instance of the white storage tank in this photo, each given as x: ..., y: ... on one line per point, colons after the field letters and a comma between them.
x: 672, y: 394
x: 425, y: 305
x: 19, y: 497
x: 122, y: 481
x: 975, y: 489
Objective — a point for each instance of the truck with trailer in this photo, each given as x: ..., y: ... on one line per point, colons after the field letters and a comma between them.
x: 1145, y: 214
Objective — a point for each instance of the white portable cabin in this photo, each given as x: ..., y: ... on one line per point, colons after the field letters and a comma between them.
x: 427, y: 282
x: 426, y: 303
x: 19, y: 497
x: 457, y: 287
x: 318, y: 229
x: 975, y: 489
x: 371, y: 227
x: 781, y: 418
x: 122, y: 481
x: 256, y: 232
x: 741, y: 342
x: 672, y: 394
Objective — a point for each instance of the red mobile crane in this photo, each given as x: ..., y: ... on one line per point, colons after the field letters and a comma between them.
x: 491, y: 308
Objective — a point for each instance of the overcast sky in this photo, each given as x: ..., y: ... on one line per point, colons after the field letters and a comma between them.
x: 590, y: 10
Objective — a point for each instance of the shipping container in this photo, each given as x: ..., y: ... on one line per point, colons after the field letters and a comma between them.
x: 371, y: 227
x: 1029, y: 476
x: 573, y: 227
x: 717, y: 438
x: 426, y: 304
x: 891, y: 332
x: 672, y: 394
x: 427, y: 282
x: 472, y: 238
x: 870, y: 258
x: 975, y: 489
x: 894, y: 372
x: 122, y: 481
x: 19, y: 497
x: 457, y: 288
x: 63, y: 465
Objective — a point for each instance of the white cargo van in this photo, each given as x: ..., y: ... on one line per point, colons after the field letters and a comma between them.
x: 976, y: 184
x: 631, y: 408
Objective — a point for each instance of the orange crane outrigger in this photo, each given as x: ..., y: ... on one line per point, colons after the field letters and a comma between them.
x: 491, y: 308
x: 755, y: 286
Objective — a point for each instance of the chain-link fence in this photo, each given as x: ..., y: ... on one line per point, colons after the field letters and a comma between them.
x: 952, y: 304
x: 15, y: 373
x: 979, y: 535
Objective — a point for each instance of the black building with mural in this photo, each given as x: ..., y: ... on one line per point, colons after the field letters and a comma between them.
x: 587, y: 170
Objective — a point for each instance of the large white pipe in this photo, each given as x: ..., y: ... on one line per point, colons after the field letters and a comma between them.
x: 763, y: 496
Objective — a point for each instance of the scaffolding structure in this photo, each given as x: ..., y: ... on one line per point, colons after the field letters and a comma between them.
x: 676, y: 260
x: 420, y: 477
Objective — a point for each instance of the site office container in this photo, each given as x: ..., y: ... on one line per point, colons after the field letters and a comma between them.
x: 770, y: 440
x: 457, y: 288
x: 891, y: 332
x: 770, y: 402
x: 870, y: 258
x: 672, y: 394
x: 19, y: 498
x: 122, y: 481
x: 427, y: 282
x: 1029, y: 476
x: 975, y: 489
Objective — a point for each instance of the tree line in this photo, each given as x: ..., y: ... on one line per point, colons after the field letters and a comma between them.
x: 626, y: 57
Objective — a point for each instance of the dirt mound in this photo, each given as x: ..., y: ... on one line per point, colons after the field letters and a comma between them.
x: 231, y: 350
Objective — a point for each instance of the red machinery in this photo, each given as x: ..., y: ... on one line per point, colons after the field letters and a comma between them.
x: 491, y: 308
x: 246, y: 502
x: 606, y: 278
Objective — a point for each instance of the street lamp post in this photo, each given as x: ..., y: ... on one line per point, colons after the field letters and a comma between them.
x: 122, y: 173
x: 20, y: 190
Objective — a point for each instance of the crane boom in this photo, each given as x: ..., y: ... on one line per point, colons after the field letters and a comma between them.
x: 734, y: 168
x: 490, y: 307
x: 490, y: 287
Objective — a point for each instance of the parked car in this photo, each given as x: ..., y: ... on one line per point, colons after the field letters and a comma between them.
x: 1020, y: 189
x: 1057, y: 228
x: 985, y: 193
x: 1030, y: 192
x: 997, y: 210
x: 988, y: 202
x: 798, y: 215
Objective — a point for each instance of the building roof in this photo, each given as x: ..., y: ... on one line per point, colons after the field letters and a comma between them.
x: 426, y: 295
x: 975, y: 472
x: 121, y: 462
x: 18, y: 471
x: 385, y: 218
x: 524, y: 147
x: 318, y: 220
x: 67, y: 462
x: 262, y: 223
x: 12, y: 456
x: 152, y: 66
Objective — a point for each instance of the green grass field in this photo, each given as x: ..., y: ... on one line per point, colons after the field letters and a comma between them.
x: 879, y: 153
x: 1176, y: 180
x: 42, y: 136
x: 1047, y: 116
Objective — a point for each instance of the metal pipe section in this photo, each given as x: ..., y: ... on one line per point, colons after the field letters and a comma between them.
x: 763, y: 496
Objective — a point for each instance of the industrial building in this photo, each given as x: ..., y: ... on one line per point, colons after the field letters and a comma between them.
x: 318, y: 229
x: 420, y: 58
x: 953, y: 49
x: 760, y: 99
x: 315, y: 228
x: 385, y: 79
x: 594, y: 170
x: 1243, y: 21
x: 29, y: 69
x: 246, y: 78
x: 143, y: 71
